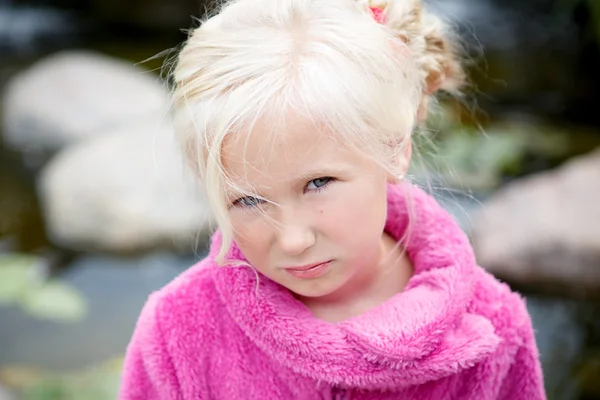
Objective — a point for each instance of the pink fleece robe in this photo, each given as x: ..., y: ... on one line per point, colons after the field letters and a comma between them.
x: 455, y: 332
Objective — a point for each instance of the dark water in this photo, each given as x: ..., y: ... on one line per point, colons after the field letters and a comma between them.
x: 115, y: 290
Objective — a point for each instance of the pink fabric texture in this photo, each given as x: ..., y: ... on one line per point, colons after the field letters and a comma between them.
x: 455, y: 332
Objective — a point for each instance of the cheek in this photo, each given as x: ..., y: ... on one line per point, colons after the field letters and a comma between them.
x: 252, y: 234
x: 355, y: 219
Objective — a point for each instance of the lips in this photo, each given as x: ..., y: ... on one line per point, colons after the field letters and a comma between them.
x: 306, y: 267
x: 310, y: 271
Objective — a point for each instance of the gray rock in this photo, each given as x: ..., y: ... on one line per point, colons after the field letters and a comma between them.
x: 544, y: 229
x: 72, y: 95
x: 5, y: 394
x: 126, y: 190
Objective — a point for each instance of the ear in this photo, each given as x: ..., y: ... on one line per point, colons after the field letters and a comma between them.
x: 404, y: 164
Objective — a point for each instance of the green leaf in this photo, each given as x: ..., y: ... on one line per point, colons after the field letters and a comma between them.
x: 55, y: 300
x: 100, y: 382
x: 15, y: 276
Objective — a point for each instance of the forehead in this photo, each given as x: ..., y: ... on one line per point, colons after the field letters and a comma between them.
x: 272, y: 153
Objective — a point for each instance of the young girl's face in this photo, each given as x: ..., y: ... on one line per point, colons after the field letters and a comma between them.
x: 328, y: 209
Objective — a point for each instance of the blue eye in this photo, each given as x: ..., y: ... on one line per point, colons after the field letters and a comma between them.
x: 247, y: 201
x: 318, y: 183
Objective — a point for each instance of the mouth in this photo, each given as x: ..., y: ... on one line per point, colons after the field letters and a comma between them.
x: 309, y: 270
x: 306, y: 267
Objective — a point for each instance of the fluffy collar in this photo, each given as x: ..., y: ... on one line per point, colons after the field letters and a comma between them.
x: 422, y: 334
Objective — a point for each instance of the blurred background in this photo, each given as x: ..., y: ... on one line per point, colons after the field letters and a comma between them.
x: 96, y: 210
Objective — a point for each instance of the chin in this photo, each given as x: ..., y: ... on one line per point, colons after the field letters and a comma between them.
x: 317, y: 288
x: 311, y: 293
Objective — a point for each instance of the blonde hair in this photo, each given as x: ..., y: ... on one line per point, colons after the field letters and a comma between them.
x: 327, y: 60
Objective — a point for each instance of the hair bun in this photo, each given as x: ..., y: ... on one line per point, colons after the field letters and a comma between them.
x: 431, y: 43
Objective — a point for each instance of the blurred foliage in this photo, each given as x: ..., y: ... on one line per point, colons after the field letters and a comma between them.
x: 467, y: 155
x: 20, y: 215
x: 589, y: 372
x: 99, y: 382
x: 22, y: 283
x: 593, y: 8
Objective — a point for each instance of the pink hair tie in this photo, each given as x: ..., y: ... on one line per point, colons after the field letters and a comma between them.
x: 378, y: 14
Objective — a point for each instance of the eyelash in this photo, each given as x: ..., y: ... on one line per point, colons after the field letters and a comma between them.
x: 329, y: 180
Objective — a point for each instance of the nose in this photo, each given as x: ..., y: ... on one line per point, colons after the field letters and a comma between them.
x: 295, y: 235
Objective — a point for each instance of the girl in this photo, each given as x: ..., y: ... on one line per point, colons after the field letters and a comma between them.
x: 331, y: 276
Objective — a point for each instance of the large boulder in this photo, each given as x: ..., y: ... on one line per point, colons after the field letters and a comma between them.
x: 126, y: 190
x: 74, y: 94
x: 5, y: 394
x: 544, y: 230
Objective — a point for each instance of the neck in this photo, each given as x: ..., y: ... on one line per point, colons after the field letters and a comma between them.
x: 367, y: 289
